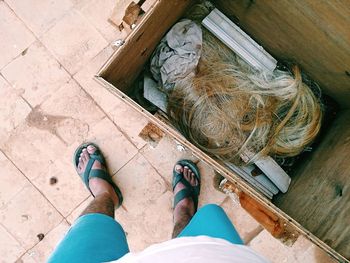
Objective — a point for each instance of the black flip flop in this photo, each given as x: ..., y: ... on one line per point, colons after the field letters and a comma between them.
x: 91, y: 173
x: 189, y: 190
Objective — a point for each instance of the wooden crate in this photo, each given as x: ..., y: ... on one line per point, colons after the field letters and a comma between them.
x: 316, y: 35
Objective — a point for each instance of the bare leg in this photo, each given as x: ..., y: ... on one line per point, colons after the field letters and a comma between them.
x: 105, y: 197
x: 184, y: 210
x: 102, y: 204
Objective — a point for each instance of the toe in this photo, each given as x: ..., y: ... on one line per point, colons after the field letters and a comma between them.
x: 91, y: 149
x: 83, y: 157
x: 86, y: 154
x: 185, y: 171
x: 178, y: 168
x: 193, y: 179
x: 187, y: 176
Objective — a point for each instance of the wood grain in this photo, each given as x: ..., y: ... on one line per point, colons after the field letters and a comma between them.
x: 314, y: 34
x: 319, y: 196
x: 132, y: 56
x: 270, y: 220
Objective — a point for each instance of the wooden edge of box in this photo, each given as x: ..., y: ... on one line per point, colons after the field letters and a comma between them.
x: 133, y: 35
x: 232, y: 177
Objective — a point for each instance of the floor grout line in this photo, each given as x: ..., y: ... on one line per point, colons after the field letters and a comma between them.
x: 168, y: 184
x: 125, y: 164
x: 106, y: 114
x: 38, y: 39
x: 76, y: 207
x: 255, y: 233
x: 47, y: 233
x: 42, y: 194
x: 8, y: 232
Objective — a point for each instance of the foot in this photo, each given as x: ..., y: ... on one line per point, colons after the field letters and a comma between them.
x: 185, y: 208
x: 97, y: 186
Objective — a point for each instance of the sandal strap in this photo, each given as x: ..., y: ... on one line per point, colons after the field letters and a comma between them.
x: 86, y: 175
x: 180, y: 178
x: 182, y: 194
x: 89, y: 172
x: 98, y: 157
x: 98, y: 173
x: 188, y: 191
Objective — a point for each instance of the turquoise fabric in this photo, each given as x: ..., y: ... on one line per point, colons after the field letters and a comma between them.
x: 93, y: 238
x: 211, y: 220
x: 99, y: 238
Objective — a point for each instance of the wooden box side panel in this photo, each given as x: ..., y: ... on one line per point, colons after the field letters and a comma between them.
x: 314, y: 34
x: 321, y: 191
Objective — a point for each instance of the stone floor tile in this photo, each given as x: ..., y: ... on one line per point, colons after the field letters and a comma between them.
x: 164, y: 156
x: 27, y: 215
x: 15, y: 37
x: 26, y: 258
x: 98, y: 13
x: 129, y: 121
x: 78, y: 210
x: 115, y: 147
x: 73, y: 41
x: 12, y: 180
x: 246, y: 226
x: 275, y: 251
x: 35, y: 74
x: 13, y: 110
x: 152, y: 223
x: 209, y: 194
x: 140, y: 184
x: 85, y: 77
x: 42, y: 251
x: 10, y: 248
x: 62, y: 186
x: 40, y: 15
x: 33, y: 149
x: 69, y: 113
x: 79, y: 3
x: 313, y: 254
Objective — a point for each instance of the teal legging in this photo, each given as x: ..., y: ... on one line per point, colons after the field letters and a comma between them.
x: 99, y: 238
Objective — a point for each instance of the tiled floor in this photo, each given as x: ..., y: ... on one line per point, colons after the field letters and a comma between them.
x: 49, y: 104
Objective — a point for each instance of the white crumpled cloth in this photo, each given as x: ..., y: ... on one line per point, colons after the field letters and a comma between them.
x: 177, y: 54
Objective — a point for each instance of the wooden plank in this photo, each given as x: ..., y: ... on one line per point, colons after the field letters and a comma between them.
x: 138, y: 47
x: 314, y: 34
x: 118, y: 13
x: 271, y: 221
x: 319, y: 196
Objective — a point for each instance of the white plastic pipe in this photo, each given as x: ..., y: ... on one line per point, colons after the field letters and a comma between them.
x: 237, y: 40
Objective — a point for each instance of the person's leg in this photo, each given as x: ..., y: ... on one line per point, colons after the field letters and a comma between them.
x: 184, y: 210
x: 211, y: 220
x: 102, y: 204
x: 95, y: 235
